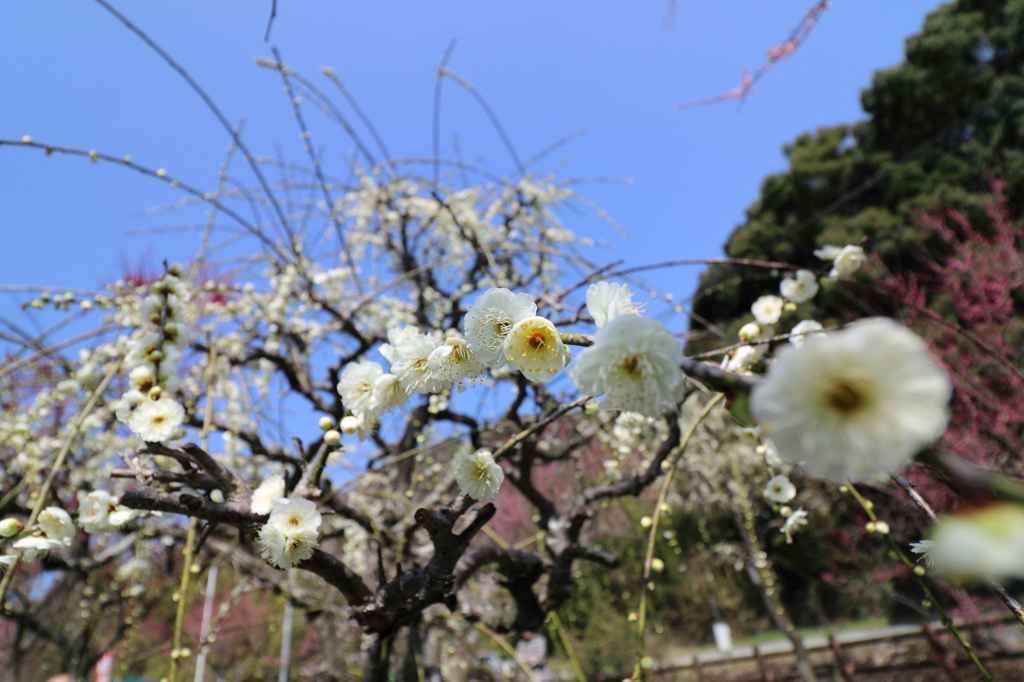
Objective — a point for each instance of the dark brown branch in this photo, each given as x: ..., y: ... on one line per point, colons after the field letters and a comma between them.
x: 520, y: 572
x: 636, y: 484
x: 412, y: 591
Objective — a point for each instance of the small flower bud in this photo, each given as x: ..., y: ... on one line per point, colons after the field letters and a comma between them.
x: 10, y: 527
x: 785, y: 511
x: 646, y: 522
x: 161, y: 173
x: 217, y: 496
x: 326, y: 423
x: 349, y: 424
x: 870, y: 526
x: 919, y: 571
x: 882, y: 527
x: 633, y: 616
x: 332, y: 437
x: 657, y: 565
x: 27, y: 139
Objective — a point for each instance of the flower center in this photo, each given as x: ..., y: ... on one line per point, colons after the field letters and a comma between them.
x: 483, y: 474
x: 537, y: 340
x: 844, y: 398
x: 500, y: 323
x: 631, y: 365
x: 158, y: 419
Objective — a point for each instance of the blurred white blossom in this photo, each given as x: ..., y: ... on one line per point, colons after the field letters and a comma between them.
x: 854, y: 403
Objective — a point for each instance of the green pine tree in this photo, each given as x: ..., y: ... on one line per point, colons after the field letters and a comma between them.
x: 940, y: 126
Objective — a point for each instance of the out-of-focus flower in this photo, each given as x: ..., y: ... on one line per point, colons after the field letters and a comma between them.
x: 828, y: 252
x: 985, y: 543
x: 263, y: 498
x: 802, y: 328
x: 780, y: 489
x: 800, y: 288
x: 767, y: 309
x: 796, y: 521
x: 57, y: 524
x: 857, y: 402
x: 848, y: 261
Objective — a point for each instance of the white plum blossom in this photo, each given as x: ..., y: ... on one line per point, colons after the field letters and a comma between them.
x: 94, y: 510
x: 269, y: 491
x: 157, y: 421
x: 801, y: 329
x: 983, y: 543
x: 849, y: 260
x: 800, y: 288
x: 751, y: 331
x: 607, y: 300
x: 490, y: 319
x: 767, y: 309
x: 479, y: 476
x: 388, y: 392
x: 409, y: 354
x: 31, y: 547
x: 453, y: 361
x: 356, y: 386
x: 794, y: 522
x: 123, y: 407
x: 854, y: 403
x: 634, y: 362
x: 289, y: 535
x: 57, y: 524
x: 534, y: 347
x: 924, y: 547
x: 827, y: 252
x: 743, y: 358
x: 780, y: 489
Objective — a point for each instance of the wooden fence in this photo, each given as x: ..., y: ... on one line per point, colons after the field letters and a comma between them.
x: 833, y: 656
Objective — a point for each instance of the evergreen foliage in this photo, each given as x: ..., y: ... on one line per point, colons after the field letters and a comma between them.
x: 940, y: 126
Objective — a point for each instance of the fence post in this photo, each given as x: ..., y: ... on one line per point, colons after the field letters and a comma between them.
x: 947, y: 661
x: 845, y: 669
x: 766, y: 675
x: 697, y: 668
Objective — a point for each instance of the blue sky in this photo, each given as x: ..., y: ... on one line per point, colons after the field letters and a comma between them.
x: 74, y: 76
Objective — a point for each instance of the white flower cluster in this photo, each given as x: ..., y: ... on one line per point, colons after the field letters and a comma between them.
x: 54, y: 529
x: 152, y: 360
x: 290, y: 534
x: 99, y: 512
x: 845, y: 261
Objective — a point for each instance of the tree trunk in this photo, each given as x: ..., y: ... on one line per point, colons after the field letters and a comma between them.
x: 376, y: 661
